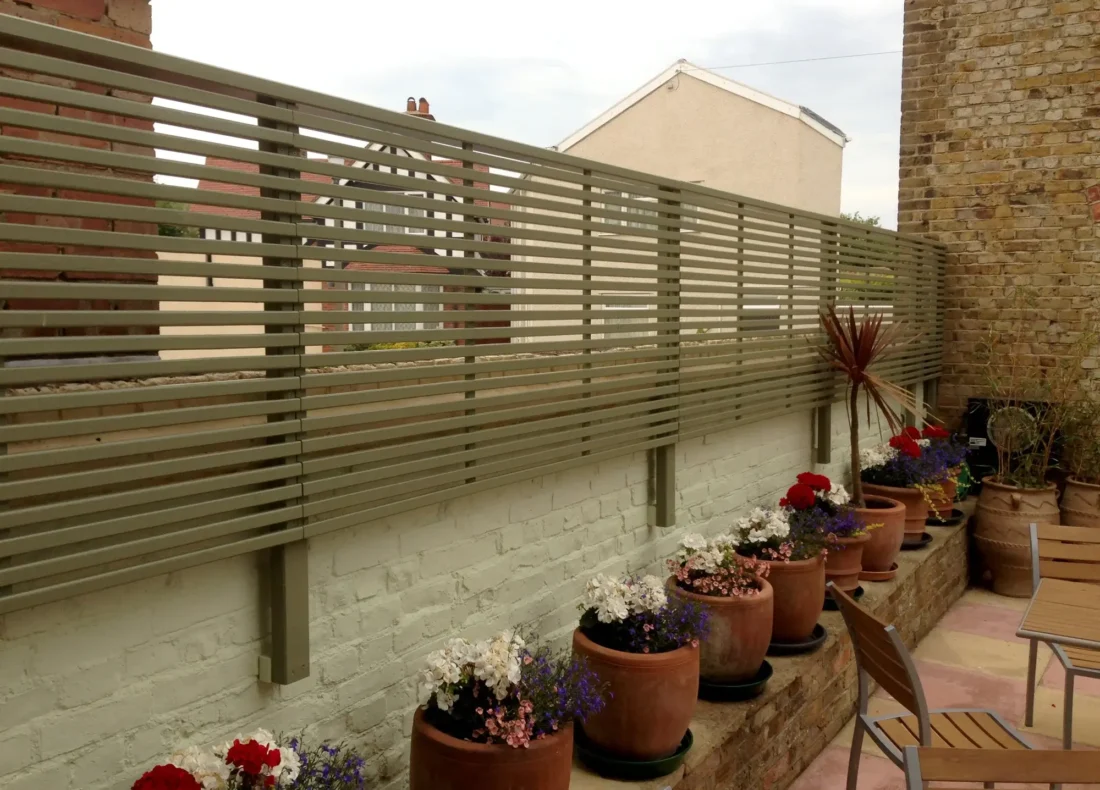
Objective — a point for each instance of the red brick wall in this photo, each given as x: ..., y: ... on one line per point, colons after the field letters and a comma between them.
x: 1000, y: 145
x: 129, y: 21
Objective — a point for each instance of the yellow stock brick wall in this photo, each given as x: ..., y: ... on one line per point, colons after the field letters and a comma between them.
x: 1000, y: 160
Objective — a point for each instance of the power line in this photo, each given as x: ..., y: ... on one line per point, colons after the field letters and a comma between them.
x: 800, y: 60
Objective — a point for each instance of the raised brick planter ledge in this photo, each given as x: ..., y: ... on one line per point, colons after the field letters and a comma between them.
x: 766, y: 743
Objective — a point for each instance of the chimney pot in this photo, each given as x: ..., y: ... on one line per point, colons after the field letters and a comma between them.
x: 423, y: 109
x: 410, y: 104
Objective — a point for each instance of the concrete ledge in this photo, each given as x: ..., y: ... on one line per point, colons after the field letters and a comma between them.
x: 768, y: 742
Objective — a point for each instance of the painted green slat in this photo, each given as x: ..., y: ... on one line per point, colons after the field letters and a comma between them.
x: 204, y: 508
x: 38, y: 431
x: 87, y: 506
x: 70, y: 589
x: 90, y: 558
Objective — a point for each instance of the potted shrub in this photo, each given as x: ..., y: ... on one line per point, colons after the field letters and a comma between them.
x: 951, y: 453
x: 796, y: 570
x: 499, y: 714
x: 645, y: 646
x: 905, y: 470
x: 738, y: 600
x: 816, y: 504
x: 1081, y: 457
x: 1030, y: 399
x: 854, y: 347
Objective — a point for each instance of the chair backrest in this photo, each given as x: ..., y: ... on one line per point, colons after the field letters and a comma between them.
x: 882, y: 655
x: 1071, y: 553
x: 1038, y: 766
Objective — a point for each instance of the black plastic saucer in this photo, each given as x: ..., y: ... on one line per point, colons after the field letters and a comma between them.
x: 736, y: 692
x: 925, y: 539
x: 816, y: 640
x: 831, y: 604
x: 629, y: 770
x: 953, y: 520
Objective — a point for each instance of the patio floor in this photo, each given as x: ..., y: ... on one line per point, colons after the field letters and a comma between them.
x: 971, y: 659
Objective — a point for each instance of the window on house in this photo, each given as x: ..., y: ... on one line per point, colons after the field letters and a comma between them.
x: 412, y: 305
x: 631, y: 216
x: 431, y: 307
x: 404, y: 211
x: 621, y: 319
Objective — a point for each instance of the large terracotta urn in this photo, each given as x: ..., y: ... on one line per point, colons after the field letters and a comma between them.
x: 845, y: 560
x: 738, y: 632
x: 916, y: 507
x: 438, y: 761
x: 1002, y: 532
x: 1081, y: 504
x: 799, y: 590
x: 885, y: 519
x: 652, y: 698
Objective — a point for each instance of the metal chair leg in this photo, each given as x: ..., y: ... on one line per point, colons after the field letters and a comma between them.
x: 1032, y: 661
x: 856, y: 754
x: 1067, y: 714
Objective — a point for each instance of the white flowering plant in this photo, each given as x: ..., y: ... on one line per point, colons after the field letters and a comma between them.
x: 634, y: 614
x: 504, y: 691
x: 258, y: 761
x: 766, y: 534
x: 713, y: 567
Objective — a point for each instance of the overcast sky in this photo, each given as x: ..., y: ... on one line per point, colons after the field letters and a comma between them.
x: 537, y: 75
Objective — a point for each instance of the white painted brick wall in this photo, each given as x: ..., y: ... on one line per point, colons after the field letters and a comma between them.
x: 96, y: 689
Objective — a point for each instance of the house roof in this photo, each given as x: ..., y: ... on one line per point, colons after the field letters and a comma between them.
x: 804, y: 114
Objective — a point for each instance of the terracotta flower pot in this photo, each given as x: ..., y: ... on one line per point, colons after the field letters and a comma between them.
x: 652, y: 698
x: 943, y: 504
x: 439, y: 761
x: 884, y: 543
x: 916, y: 508
x: 1081, y: 504
x: 1003, y: 531
x: 739, y: 632
x: 844, y: 561
x: 799, y: 590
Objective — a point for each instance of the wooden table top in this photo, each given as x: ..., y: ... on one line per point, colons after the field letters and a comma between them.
x: 1064, y: 612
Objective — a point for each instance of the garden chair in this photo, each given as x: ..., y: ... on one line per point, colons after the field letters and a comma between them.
x: 1040, y: 766
x: 882, y: 656
x: 1065, y: 609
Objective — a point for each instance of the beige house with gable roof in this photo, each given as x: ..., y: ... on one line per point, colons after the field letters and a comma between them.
x: 694, y: 125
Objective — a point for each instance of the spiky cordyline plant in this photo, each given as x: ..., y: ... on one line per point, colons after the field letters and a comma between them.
x: 853, y: 346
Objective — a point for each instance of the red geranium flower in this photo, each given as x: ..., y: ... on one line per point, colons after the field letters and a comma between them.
x: 800, y: 496
x: 905, y: 444
x: 252, y: 757
x: 912, y: 433
x: 816, y: 482
x: 167, y: 777
x: 936, y: 432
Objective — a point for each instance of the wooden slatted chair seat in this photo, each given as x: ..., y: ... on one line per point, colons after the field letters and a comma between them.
x: 951, y: 729
x: 881, y: 655
x: 1065, y: 557
x: 1041, y: 766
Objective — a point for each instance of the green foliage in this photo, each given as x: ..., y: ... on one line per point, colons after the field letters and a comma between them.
x: 855, y: 216
x: 1081, y: 441
x: 178, y: 231
x: 399, y: 346
x: 1028, y: 370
